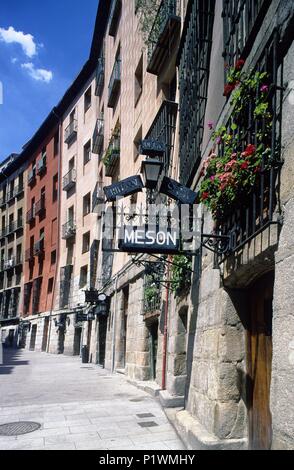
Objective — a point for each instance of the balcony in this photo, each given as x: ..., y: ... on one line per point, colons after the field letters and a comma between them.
x: 163, y: 130
x: 10, y: 195
x: 42, y: 165
x: 32, y: 177
x: 69, y: 180
x: 39, y: 247
x: 112, y: 156
x: 11, y: 228
x: 40, y: 206
x: 29, y: 254
x: 114, y: 84
x: 3, y: 201
x: 69, y: 230
x: 65, y: 285
x: 100, y: 76
x: 12, y: 263
x: 3, y: 232
x: 70, y: 132
x: 98, y: 136
x: 114, y: 16
x: 97, y: 196
x: 30, y: 217
x: 164, y: 34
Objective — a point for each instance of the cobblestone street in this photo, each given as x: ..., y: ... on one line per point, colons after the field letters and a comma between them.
x: 79, y: 406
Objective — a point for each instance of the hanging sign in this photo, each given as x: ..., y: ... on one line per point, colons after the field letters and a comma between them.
x: 152, y: 148
x: 123, y: 188
x: 147, y: 239
x: 177, y: 191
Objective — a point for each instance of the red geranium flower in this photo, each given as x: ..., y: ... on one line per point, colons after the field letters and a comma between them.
x: 250, y: 149
x: 204, y: 196
x: 239, y: 64
x: 244, y: 165
x: 229, y: 88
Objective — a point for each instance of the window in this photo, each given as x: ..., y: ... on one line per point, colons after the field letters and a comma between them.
x: 55, y: 188
x: 83, y: 276
x: 87, y: 152
x: 86, y: 242
x: 56, y: 143
x: 71, y: 213
x: 139, y: 80
x: 72, y: 116
x: 87, y: 204
x: 53, y: 257
x: 20, y: 181
x: 50, y: 285
x: 71, y: 164
x: 18, y: 254
x: 137, y: 143
x: 87, y: 99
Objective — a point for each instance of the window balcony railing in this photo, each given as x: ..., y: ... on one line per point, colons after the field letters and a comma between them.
x: 112, y: 156
x: 163, y: 35
x: 69, y: 180
x: 39, y: 247
x: 31, y: 214
x: 242, y: 20
x: 100, y: 76
x: 69, y: 230
x: 98, y: 196
x: 10, y: 195
x: 163, y: 130
x: 18, y: 190
x: 98, y: 136
x: 114, y: 84
x: 65, y: 285
x: 12, y: 263
x: 115, y: 11
x: 3, y: 201
x: 70, y: 132
x: 19, y: 223
x: 11, y: 228
x: 31, y: 177
x: 152, y: 294
x: 3, y: 232
x: 40, y: 206
x: 42, y: 165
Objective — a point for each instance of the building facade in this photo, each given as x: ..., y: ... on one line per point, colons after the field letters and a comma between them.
x: 13, y: 174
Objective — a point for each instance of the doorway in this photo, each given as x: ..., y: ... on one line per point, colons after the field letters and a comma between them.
x: 102, y: 340
x: 33, y: 338
x: 61, y: 335
x: 45, y: 335
x: 153, y: 346
x: 77, y: 341
x: 89, y: 335
x: 259, y: 362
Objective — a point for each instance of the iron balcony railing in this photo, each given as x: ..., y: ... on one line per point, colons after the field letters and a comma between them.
x: 112, y: 156
x: 163, y: 35
x: 42, y: 165
x: 98, y: 196
x: 40, y: 206
x: 163, y: 130
x: 261, y: 207
x: 12, y: 263
x: 114, y: 16
x: 98, y: 136
x: 11, y: 228
x: 3, y: 200
x: 69, y: 180
x: 30, y: 215
x: 39, y: 247
x: 3, y: 232
x: 11, y: 195
x: 18, y: 190
x: 114, y: 84
x: 100, y: 76
x: 70, y: 132
x: 65, y: 285
x: 242, y: 20
x: 152, y: 293
x: 32, y: 176
x: 69, y: 230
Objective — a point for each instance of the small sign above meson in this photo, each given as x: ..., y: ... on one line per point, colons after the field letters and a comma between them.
x: 123, y: 188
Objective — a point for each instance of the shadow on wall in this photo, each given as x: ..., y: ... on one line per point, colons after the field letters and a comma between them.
x: 11, y: 359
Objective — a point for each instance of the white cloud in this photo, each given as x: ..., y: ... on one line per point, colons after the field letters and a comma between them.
x: 14, y: 60
x: 26, y: 41
x: 41, y: 75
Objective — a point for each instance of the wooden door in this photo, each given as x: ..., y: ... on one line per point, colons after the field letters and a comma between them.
x: 259, y: 361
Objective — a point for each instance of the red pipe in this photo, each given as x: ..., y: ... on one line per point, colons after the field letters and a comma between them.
x: 164, y: 353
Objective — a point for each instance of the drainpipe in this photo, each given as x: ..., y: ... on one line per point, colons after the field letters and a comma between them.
x: 114, y: 325
x: 164, y: 352
x: 58, y: 226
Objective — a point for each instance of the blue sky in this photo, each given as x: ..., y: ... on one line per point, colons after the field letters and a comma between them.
x: 43, y: 45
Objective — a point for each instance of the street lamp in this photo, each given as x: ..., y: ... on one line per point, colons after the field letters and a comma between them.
x: 151, y: 169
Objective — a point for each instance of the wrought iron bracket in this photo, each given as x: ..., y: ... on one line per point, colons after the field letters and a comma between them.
x: 218, y: 244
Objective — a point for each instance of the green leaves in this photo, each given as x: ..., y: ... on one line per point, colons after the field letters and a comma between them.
x: 181, y: 274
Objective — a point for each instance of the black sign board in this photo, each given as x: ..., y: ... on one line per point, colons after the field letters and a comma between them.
x: 147, y: 239
x: 152, y: 148
x: 91, y: 296
x: 177, y: 191
x: 123, y: 188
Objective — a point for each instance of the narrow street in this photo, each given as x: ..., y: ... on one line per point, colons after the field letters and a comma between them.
x: 79, y: 406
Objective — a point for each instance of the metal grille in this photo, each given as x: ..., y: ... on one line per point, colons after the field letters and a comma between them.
x: 242, y: 19
x: 19, y: 428
x: 163, y: 130
x: 65, y: 285
x: 258, y: 210
x: 193, y: 76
